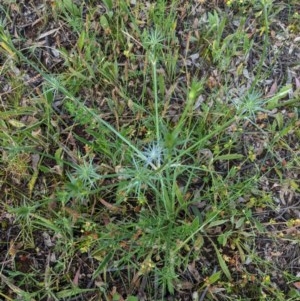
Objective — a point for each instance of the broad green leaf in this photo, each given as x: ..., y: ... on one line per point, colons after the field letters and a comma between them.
x: 104, y: 23
x: 15, y: 123
x: 217, y: 223
x: 116, y: 297
x: 273, y: 101
x: 260, y: 227
x: 72, y: 8
x: 108, y: 4
x: 81, y: 40
x: 241, y: 251
x: 58, y: 156
x: 32, y: 181
x: 198, y: 243
x: 222, y: 239
x: 71, y: 292
x: 45, y: 223
x: 132, y: 298
x: 5, y: 44
x: 106, y: 259
x: 222, y: 262
x: 229, y: 157
x: 239, y: 223
x: 214, y: 277
x: 279, y: 120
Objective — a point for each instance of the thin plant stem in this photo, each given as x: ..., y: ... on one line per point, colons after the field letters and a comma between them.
x: 153, y: 61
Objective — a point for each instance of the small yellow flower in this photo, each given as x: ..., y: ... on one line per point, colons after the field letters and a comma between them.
x: 267, y: 279
x: 251, y: 156
x: 272, y: 221
x: 147, y: 266
x: 126, y: 53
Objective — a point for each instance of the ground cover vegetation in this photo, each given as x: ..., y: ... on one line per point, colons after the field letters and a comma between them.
x: 149, y: 150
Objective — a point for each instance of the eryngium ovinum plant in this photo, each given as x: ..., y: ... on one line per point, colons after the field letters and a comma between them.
x: 147, y: 173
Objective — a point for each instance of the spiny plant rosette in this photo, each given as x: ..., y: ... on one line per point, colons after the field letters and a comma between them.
x: 86, y: 173
x: 250, y: 104
x: 153, y: 154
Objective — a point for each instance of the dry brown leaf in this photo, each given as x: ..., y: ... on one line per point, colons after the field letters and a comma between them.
x: 273, y: 89
x: 74, y: 214
x: 184, y: 285
x: 297, y: 285
x: 192, y: 269
x: 110, y: 206
x: 297, y: 83
x: 116, y: 295
x: 14, y: 248
x: 76, y: 277
x: 35, y: 158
